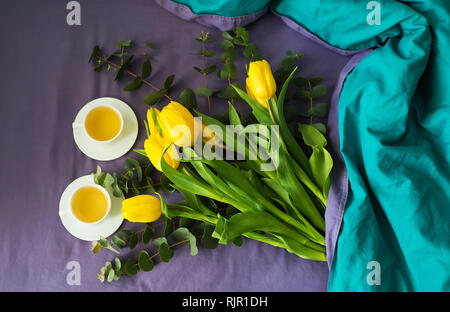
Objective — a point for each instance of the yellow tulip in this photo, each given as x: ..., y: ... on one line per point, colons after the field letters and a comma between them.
x: 154, y: 147
x: 141, y: 208
x: 260, y: 83
x: 152, y: 118
x: 177, y: 124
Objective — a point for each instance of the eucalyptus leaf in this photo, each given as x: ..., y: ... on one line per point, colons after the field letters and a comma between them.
x: 183, y: 234
x: 144, y: 261
x: 210, y: 69
x: 318, y: 92
x: 168, y: 229
x: 166, y: 186
x: 146, y: 69
x: 134, y: 164
x: 110, y: 276
x: 318, y: 110
x: 153, y: 98
x: 229, y: 55
x: 249, y: 50
x: 302, y: 95
x: 207, y: 241
x: 130, y: 267
x: 227, y: 43
x: 186, y: 222
x: 123, y: 43
x: 133, y: 241
x: 208, y: 53
x: 227, y: 35
x: 117, y: 265
x: 168, y: 82
x: 95, y: 53
x: 321, y: 127
x: 123, y: 67
x: 117, y: 241
x: 148, y: 234
x: 165, y: 253
x: 204, y: 92
x: 134, y: 85
x: 187, y: 99
x: 242, y: 33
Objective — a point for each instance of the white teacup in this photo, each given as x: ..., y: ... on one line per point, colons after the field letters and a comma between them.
x: 97, y: 116
x: 85, y: 198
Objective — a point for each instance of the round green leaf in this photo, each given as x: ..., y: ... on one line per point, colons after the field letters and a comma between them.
x: 144, y: 261
x: 130, y: 267
x: 204, y: 92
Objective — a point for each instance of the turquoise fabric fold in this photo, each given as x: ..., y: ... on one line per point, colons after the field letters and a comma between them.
x: 394, y: 112
x: 230, y: 8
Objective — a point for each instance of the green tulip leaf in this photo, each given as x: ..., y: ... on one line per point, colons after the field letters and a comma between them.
x: 311, y: 136
x: 234, y: 116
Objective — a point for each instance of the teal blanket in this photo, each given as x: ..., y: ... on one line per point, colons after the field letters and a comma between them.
x: 394, y: 122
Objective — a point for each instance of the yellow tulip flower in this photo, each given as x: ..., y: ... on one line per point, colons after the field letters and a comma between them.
x: 260, y: 83
x: 177, y: 124
x: 154, y: 147
x: 141, y: 208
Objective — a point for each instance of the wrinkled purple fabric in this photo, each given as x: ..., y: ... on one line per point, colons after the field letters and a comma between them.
x: 46, y: 80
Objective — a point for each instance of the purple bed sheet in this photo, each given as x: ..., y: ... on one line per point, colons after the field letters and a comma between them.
x: 45, y: 81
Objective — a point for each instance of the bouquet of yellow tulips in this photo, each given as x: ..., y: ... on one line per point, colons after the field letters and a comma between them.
x: 278, y: 187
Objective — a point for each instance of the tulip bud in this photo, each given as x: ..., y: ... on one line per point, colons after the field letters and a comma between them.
x: 154, y: 147
x: 141, y: 208
x: 260, y: 83
x: 177, y: 124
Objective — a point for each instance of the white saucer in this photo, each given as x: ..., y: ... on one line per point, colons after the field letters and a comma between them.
x: 112, y: 150
x: 84, y: 231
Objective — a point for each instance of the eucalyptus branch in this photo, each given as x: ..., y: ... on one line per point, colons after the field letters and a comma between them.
x: 205, y: 70
x: 104, y: 58
x: 139, y: 79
